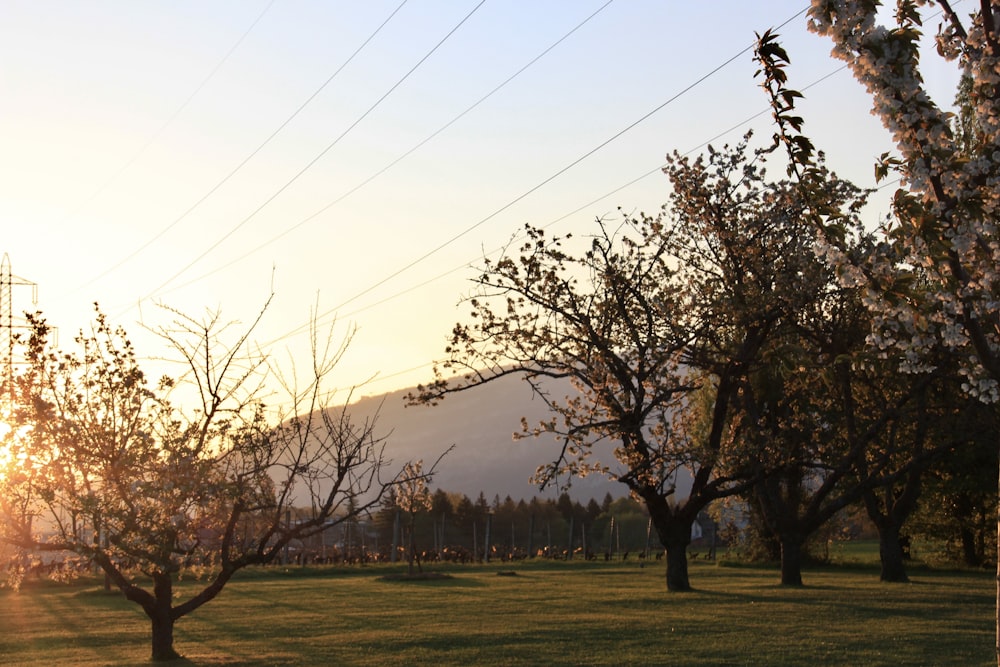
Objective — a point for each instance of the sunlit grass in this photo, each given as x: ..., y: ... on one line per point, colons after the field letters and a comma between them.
x: 549, y: 613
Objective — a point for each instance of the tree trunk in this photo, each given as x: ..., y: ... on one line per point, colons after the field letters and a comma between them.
x: 411, y: 551
x: 998, y: 573
x: 162, y: 620
x: 163, y: 638
x: 890, y: 553
x: 677, y: 568
x: 970, y: 553
x: 674, y: 529
x: 395, y: 538
x: 676, y: 536
x: 791, y: 562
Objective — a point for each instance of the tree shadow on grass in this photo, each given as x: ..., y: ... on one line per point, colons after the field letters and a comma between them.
x: 428, y: 579
x: 416, y: 576
x: 209, y: 660
x: 435, y: 580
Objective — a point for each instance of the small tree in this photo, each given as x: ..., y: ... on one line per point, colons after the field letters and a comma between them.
x: 413, y: 497
x: 103, y: 465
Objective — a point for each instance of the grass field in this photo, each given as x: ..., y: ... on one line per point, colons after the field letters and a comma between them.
x: 549, y: 613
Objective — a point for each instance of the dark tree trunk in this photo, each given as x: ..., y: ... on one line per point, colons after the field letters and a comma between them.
x: 673, y: 526
x: 970, y: 553
x: 890, y: 553
x: 888, y: 508
x: 677, y: 568
x: 764, y: 543
x: 675, y: 535
x: 791, y: 561
x: 161, y: 616
x: 412, y: 556
x: 163, y: 638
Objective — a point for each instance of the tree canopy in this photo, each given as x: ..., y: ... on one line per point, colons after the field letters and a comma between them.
x: 661, y: 323
x: 105, y: 466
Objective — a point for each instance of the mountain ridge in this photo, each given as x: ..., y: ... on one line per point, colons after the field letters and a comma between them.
x: 479, y: 424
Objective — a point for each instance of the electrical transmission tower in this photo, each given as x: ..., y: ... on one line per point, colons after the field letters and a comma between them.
x: 8, y: 322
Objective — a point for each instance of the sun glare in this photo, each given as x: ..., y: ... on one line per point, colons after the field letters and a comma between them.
x: 10, y: 456
x: 6, y: 458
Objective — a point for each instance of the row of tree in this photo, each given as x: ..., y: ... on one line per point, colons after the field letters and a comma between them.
x: 951, y: 518
x: 713, y: 351
x: 740, y: 344
x: 952, y: 522
x: 455, y: 527
x: 932, y: 281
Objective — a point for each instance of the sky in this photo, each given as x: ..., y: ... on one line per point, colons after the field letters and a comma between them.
x: 358, y: 159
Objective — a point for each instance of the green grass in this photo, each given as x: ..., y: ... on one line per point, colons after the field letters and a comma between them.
x: 550, y: 613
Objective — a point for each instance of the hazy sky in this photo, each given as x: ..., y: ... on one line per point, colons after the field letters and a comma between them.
x: 124, y: 124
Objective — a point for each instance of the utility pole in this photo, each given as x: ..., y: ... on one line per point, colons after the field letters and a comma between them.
x: 8, y: 323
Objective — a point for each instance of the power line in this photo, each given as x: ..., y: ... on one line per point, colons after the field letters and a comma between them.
x: 254, y: 152
x: 616, y: 190
x: 401, y: 157
x: 156, y: 136
x: 531, y: 190
x: 312, y: 162
x: 719, y: 135
x: 659, y: 169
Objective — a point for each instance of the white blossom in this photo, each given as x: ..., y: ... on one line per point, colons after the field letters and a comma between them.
x: 952, y: 238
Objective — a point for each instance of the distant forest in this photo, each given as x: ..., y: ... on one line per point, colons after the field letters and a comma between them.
x: 458, y: 528
x: 955, y: 528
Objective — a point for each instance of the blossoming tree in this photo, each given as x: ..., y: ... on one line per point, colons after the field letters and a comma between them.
x: 946, y: 208
x: 106, y: 469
